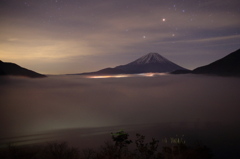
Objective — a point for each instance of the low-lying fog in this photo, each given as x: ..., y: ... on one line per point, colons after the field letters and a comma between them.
x: 177, y: 103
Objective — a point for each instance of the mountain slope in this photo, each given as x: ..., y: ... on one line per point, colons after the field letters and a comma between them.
x: 106, y: 71
x: 15, y: 70
x: 152, y: 62
x: 226, y: 66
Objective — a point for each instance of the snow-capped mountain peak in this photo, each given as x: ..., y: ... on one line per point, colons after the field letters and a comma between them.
x: 151, y: 57
x: 152, y: 62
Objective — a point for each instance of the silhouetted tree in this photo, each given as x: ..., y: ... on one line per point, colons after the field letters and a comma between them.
x: 121, y: 142
x: 147, y: 150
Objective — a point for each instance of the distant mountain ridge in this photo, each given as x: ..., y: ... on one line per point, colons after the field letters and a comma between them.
x: 105, y: 71
x: 152, y: 62
x: 7, y: 68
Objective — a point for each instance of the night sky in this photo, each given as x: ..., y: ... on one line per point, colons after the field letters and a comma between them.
x: 74, y: 36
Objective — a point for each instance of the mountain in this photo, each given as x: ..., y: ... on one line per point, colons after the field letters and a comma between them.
x: 15, y: 70
x: 152, y: 62
x: 226, y: 66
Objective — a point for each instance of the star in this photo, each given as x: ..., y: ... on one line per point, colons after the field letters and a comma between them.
x: 144, y: 37
x: 164, y: 20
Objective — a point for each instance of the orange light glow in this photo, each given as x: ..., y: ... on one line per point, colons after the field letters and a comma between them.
x: 114, y: 76
x: 148, y: 74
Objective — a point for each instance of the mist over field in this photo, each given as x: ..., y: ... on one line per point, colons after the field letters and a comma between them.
x: 207, y: 107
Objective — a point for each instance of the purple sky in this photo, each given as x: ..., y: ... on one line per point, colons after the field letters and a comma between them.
x: 73, y: 36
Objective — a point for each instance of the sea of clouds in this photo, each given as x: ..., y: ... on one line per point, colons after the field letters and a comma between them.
x: 86, y: 107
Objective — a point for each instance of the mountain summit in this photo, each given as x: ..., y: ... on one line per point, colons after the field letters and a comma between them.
x: 149, y: 58
x: 152, y: 62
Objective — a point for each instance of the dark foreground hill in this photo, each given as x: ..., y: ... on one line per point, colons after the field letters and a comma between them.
x: 226, y: 66
x: 15, y: 70
x: 152, y: 62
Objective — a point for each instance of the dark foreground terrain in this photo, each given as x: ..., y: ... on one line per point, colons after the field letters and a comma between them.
x: 119, y: 148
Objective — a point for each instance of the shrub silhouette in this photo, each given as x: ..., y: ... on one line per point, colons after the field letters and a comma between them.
x: 87, y: 154
x: 60, y: 151
x: 20, y: 152
x: 117, y: 150
x: 146, y: 150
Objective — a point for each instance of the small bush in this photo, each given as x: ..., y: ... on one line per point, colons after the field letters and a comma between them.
x: 146, y: 150
x: 60, y: 151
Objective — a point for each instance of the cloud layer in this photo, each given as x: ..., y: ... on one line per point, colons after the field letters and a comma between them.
x: 72, y: 101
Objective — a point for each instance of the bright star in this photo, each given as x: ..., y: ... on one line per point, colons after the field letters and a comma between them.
x: 163, y: 20
x: 144, y: 36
